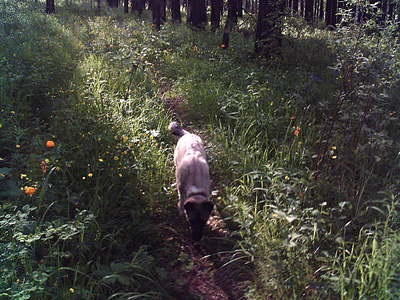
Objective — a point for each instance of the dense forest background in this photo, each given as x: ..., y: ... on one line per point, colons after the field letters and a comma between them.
x: 297, y: 102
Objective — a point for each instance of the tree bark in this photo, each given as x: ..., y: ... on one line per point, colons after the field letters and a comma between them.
x: 269, y: 27
x: 239, y: 8
x: 309, y: 11
x: 197, y: 13
x: 113, y: 3
x: 231, y: 22
x: 156, y: 13
x: 295, y: 7
x: 330, y: 12
x: 138, y: 6
x: 321, y: 10
x: 50, y: 7
x: 217, y: 7
x: 163, y: 11
x: 176, y: 11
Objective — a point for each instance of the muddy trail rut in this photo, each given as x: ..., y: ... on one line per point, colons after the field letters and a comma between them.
x: 209, y: 269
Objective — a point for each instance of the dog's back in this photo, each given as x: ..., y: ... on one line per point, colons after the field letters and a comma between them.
x: 192, y: 178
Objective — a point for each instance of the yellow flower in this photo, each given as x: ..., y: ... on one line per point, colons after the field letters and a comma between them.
x: 17, y: 146
x: 101, y: 160
x: 71, y: 290
x: 22, y: 176
x: 116, y: 158
x: 90, y: 175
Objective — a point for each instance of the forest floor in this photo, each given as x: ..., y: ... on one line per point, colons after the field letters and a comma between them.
x: 209, y: 272
x: 303, y: 153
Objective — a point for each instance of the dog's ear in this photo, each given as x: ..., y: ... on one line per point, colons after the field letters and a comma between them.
x: 208, y: 206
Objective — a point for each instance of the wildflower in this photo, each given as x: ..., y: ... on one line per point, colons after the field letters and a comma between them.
x: 101, y: 160
x: 22, y: 176
x: 17, y: 146
x: 223, y: 46
x: 83, y: 178
x: 120, y: 175
x: 30, y: 190
x: 2, y: 175
x: 116, y: 158
x: 334, y: 157
x: 50, y: 144
x: 71, y: 290
x: 43, y: 166
x: 296, y: 131
x: 287, y: 177
x: 90, y: 175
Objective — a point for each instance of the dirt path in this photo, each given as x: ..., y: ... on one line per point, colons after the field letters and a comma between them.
x: 208, y: 269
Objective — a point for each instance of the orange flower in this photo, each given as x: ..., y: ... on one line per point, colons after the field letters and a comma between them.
x: 297, y: 131
x: 30, y: 190
x: 50, y: 144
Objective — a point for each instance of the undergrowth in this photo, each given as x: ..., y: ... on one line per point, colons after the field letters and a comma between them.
x: 304, y: 152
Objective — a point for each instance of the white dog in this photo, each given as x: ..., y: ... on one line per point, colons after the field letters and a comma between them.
x: 192, y: 179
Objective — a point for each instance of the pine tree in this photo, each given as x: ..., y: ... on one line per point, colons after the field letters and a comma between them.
x: 50, y: 7
x: 269, y: 27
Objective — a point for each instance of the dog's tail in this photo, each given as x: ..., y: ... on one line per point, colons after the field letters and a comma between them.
x: 176, y: 129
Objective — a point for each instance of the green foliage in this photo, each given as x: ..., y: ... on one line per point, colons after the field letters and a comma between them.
x: 304, y: 152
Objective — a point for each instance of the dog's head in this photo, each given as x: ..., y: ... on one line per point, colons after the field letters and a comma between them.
x: 198, y: 210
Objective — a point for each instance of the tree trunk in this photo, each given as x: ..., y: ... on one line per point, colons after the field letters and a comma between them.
x: 197, y: 13
x: 269, y: 27
x: 163, y: 12
x: 321, y: 10
x: 330, y: 12
x: 126, y: 6
x: 309, y: 11
x: 295, y: 7
x: 239, y: 8
x: 217, y: 7
x: 138, y: 6
x: 176, y: 11
x: 231, y: 21
x: 156, y: 13
x: 50, y: 7
x: 113, y: 3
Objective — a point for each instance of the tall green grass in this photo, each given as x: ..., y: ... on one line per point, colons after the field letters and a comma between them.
x: 303, y: 150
